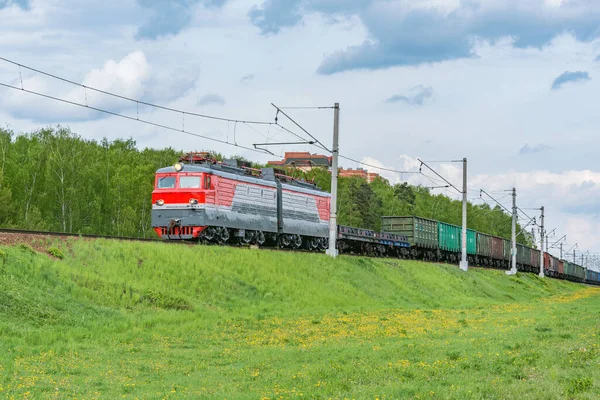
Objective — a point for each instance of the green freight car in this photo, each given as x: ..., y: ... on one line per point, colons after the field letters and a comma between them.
x: 433, y: 240
x: 422, y: 234
x: 450, y: 238
x: 523, y: 258
x: 574, y: 272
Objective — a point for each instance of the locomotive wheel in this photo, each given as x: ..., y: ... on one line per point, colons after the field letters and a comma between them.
x: 296, y: 241
x: 314, y: 244
x: 222, y: 235
x: 324, y: 243
x: 284, y: 241
x: 259, y: 238
x: 209, y: 234
x: 247, y: 238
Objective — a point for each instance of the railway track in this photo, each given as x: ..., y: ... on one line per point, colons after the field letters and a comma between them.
x: 66, y: 234
x: 137, y: 239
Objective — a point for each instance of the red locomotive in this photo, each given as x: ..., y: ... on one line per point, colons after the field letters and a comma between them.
x: 222, y: 201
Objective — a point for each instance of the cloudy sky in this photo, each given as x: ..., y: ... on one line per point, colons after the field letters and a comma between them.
x: 511, y: 85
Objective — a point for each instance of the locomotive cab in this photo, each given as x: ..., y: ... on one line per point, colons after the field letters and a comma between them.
x: 181, y: 188
x: 177, y: 191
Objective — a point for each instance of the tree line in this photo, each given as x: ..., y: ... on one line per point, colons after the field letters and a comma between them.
x: 53, y: 179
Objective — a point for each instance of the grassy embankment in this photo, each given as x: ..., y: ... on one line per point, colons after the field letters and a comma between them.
x: 151, y: 320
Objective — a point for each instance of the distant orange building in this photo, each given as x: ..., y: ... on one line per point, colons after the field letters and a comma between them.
x: 360, y: 173
x: 303, y: 160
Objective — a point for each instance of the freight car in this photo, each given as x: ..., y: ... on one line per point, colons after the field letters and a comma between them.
x: 438, y: 241
x: 492, y: 251
x: 432, y: 240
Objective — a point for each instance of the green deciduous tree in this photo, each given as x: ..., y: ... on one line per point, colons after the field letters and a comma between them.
x: 54, y: 179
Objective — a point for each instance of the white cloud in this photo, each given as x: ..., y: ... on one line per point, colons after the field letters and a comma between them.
x: 128, y: 77
x: 125, y: 77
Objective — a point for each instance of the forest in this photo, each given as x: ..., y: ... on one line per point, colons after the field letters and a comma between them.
x: 53, y: 179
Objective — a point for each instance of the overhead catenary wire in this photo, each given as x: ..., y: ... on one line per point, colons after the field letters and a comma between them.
x: 307, y: 108
x: 377, y: 167
x: 317, y: 143
x: 116, y: 114
x: 299, y: 126
x: 496, y: 201
x: 443, y: 161
x: 444, y: 179
x: 289, y: 131
x: 137, y: 101
x: 525, y: 214
x: 432, y: 179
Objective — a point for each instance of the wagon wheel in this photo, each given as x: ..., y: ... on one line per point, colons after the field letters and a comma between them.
x: 383, y: 251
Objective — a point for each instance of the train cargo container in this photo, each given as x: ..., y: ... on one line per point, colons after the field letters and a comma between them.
x: 579, y: 272
x: 524, y: 257
x: 485, y: 245
x: 561, y: 268
x: 498, y: 248
x: 420, y: 232
x: 535, y: 259
x: 589, y: 275
x: 592, y: 277
x: 507, y: 250
x: 567, y: 268
x: 551, y: 265
x: 471, y: 241
x: 450, y: 238
x: 491, y: 250
x: 573, y: 271
x: 547, y: 262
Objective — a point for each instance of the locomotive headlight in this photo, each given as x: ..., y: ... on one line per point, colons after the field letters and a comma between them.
x: 160, y: 202
x: 178, y: 167
x: 193, y: 201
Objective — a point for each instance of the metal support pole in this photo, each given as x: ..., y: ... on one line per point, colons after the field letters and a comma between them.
x: 573, y: 256
x: 561, y: 256
x: 513, y: 251
x: 332, y: 250
x: 542, y: 244
x: 464, y: 263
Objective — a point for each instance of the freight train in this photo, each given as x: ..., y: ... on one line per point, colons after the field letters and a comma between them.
x: 201, y: 199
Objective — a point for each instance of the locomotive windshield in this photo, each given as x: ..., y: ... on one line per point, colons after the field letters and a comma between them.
x: 189, y: 182
x: 166, y: 182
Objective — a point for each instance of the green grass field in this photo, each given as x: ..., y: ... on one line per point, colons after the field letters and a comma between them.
x: 152, y: 320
